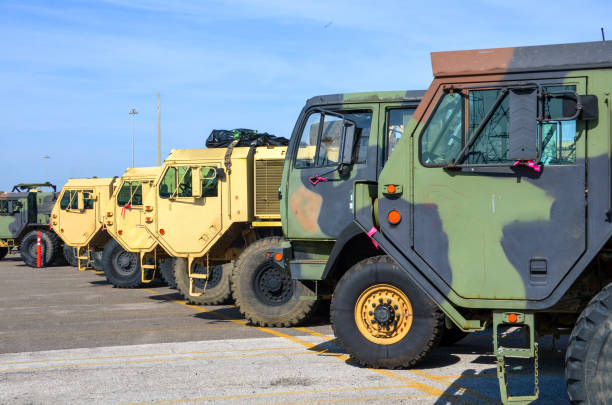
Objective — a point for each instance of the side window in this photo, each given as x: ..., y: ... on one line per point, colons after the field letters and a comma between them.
x: 397, y: 120
x: 130, y: 193
x: 442, y: 139
x: 308, y: 142
x: 184, y: 181
x: 210, y: 182
x: 167, y: 187
x: 558, y: 137
x: 65, y: 201
x: 88, y: 199
x: 329, y: 148
x: 322, y: 135
x: 492, y: 143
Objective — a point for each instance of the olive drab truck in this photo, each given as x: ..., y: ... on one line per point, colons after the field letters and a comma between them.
x: 23, y: 213
x: 495, y: 208
x: 316, y: 201
x: 77, y: 218
x: 208, y: 205
x: 124, y: 218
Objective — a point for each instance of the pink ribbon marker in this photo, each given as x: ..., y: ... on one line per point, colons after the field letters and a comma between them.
x: 528, y: 163
x: 316, y: 179
x: 371, y: 233
x: 123, y: 209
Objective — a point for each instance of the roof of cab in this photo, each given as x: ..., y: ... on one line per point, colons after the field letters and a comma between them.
x: 581, y: 55
x: 367, y: 97
x: 152, y: 171
x: 89, y: 182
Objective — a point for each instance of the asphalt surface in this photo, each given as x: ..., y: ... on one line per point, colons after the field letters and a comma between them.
x: 69, y: 337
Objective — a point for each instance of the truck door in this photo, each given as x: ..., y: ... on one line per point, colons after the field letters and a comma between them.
x: 130, y: 215
x: 77, y: 226
x: 186, y: 224
x: 497, y: 228
x: 318, y: 200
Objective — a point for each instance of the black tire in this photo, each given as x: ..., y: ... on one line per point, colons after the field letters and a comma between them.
x: 588, y: 359
x: 218, y: 290
x: 96, y: 260
x: 166, y: 271
x: 49, y: 245
x: 452, y: 335
x: 121, y: 268
x: 69, y: 253
x: 3, y: 252
x: 423, y: 332
x: 264, y: 292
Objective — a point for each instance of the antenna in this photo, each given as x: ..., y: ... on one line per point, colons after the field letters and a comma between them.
x: 158, y: 130
x: 603, y: 35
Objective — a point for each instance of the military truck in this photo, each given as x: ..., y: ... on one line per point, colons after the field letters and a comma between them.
x: 24, y: 212
x: 77, y: 218
x: 495, y: 208
x: 208, y: 205
x: 125, y: 257
x: 316, y: 200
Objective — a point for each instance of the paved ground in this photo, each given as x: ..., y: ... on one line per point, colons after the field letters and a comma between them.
x: 68, y: 337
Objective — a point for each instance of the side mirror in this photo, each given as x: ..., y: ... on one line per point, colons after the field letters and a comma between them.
x: 196, y: 182
x: 523, y: 126
x: 80, y: 201
x: 349, y: 130
x: 220, y: 173
x: 580, y: 107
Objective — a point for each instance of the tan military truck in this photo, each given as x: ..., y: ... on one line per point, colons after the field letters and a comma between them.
x: 131, y: 257
x: 208, y: 206
x: 77, y: 217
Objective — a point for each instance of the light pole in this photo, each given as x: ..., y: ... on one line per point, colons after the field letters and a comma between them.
x: 133, y: 113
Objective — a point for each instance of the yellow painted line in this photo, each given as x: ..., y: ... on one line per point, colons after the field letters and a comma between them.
x: 431, y: 390
x: 270, y: 394
x: 75, y: 365
x: 419, y: 373
x: 377, y: 398
x: 444, y: 377
x: 129, y: 356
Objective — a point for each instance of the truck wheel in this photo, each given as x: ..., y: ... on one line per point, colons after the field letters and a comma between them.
x: 264, y: 292
x: 69, y: 253
x: 121, y: 268
x: 451, y: 336
x: 3, y: 252
x: 166, y: 270
x: 381, y: 318
x: 588, y: 359
x: 96, y: 260
x: 48, y: 248
x: 217, y: 289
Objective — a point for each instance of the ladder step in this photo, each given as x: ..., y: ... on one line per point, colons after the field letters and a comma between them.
x: 199, y: 276
x: 83, y: 257
x: 148, y: 266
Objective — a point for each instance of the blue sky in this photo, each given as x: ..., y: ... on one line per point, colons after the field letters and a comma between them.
x: 71, y: 70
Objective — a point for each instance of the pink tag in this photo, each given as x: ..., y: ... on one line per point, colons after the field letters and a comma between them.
x: 371, y: 233
x: 528, y: 163
x: 316, y: 179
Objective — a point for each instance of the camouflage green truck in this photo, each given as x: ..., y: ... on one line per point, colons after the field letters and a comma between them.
x: 495, y: 208
x: 316, y: 200
x: 23, y: 212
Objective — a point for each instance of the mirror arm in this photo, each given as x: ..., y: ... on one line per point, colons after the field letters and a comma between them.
x: 461, y: 157
x: 579, y: 107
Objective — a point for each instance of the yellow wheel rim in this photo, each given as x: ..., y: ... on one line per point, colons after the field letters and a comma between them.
x: 383, y: 314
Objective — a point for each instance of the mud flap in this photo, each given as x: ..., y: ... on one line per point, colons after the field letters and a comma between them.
x: 524, y: 320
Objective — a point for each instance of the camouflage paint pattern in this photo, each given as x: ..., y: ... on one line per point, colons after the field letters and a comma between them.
x: 473, y: 234
x: 315, y: 215
x: 22, y: 211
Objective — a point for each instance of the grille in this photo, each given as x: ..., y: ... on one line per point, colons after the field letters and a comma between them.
x: 268, y: 175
